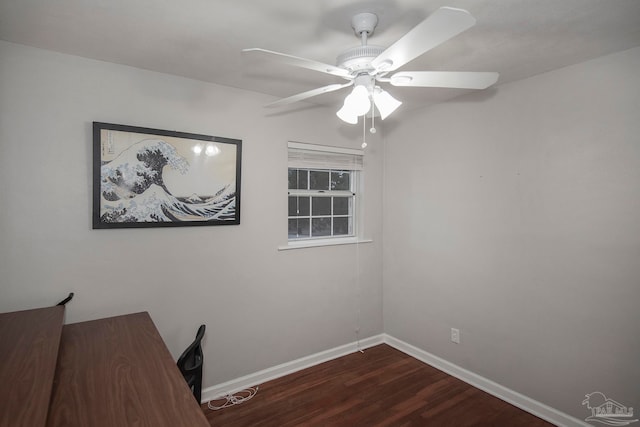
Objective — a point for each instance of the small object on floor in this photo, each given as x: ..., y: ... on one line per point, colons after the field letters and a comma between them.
x: 234, y: 398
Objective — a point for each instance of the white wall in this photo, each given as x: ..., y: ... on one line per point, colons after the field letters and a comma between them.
x: 262, y: 307
x: 514, y: 216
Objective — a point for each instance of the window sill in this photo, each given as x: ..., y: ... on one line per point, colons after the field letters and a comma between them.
x: 299, y: 244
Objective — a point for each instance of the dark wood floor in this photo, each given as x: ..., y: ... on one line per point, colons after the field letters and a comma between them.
x: 382, y: 387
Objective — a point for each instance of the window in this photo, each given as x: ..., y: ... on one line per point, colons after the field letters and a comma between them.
x: 321, y: 203
x: 322, y: 185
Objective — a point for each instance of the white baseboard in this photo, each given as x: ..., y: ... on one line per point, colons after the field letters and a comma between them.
x: 521, y: 401
x: 287, y: 368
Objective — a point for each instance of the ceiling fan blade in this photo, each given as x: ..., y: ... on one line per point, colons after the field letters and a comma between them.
x: 451, y: 79
x: 299, y: 62
x: 308, y: 94
x: 439, y: 27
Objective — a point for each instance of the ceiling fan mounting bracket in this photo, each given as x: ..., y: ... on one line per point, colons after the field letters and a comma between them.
x: 364, y: 23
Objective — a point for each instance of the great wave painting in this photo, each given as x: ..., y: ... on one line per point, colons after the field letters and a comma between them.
x: 153, y: 178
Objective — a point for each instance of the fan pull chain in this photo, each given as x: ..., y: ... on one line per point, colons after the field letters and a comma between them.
x: 364, y: 131
x: 373, y: 120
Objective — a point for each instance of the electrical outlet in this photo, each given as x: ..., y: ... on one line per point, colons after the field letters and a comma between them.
x: 455, y: 335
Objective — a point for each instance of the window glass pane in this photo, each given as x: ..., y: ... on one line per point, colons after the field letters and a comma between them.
x: 293, y: 206
x: 293, y: 179
x: 298, y: 228
x: 298, y: 179
x: 321, y: 206
x: 298, y: 206
x: 340, y: 180
x: 341, y: 226
x: 319, y: 180
x: 341, y: 205
x: 321, y: 227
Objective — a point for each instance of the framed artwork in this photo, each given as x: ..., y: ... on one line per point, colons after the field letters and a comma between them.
x: 157, y: 178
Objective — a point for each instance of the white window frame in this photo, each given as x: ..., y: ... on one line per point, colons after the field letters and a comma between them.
x: 321, y: 157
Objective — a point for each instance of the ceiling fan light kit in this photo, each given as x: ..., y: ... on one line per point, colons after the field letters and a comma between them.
x: 358, y: 102
x: 366, y: 65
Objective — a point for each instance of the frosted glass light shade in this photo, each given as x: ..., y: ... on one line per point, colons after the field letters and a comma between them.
x: 346, y: 115
x: 356, y: 104
x: 385, y: 103
x: 358, y: 101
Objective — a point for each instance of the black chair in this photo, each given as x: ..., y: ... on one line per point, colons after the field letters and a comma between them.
x: 190, y: 364
x: 66, y: 300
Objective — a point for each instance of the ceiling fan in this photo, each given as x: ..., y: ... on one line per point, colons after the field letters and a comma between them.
x: 366, y: 65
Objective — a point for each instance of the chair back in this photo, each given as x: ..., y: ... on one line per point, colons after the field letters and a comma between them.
x: 190, y: 364
x: 66, y: 300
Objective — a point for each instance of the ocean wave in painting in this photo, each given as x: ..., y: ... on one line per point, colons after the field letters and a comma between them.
x: 133, y: 189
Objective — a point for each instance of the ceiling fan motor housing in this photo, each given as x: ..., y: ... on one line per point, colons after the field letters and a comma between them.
x: 359, y: 58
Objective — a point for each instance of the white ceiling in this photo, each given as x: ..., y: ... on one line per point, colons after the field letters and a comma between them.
x: 202, y: 39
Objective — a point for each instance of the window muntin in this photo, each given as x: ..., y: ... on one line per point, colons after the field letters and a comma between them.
x: 321, y: 203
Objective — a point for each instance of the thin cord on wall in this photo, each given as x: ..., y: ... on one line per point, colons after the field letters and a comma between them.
x: 359, y: 233
x: 358, y: 296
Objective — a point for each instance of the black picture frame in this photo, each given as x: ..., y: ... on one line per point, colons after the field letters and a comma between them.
x: 145, y: 177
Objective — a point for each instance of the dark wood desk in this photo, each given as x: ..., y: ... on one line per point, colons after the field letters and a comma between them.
x: 117, y: 372
x: 29, y: 343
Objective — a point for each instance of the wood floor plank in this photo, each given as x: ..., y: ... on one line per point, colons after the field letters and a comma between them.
x: 380, y: 387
